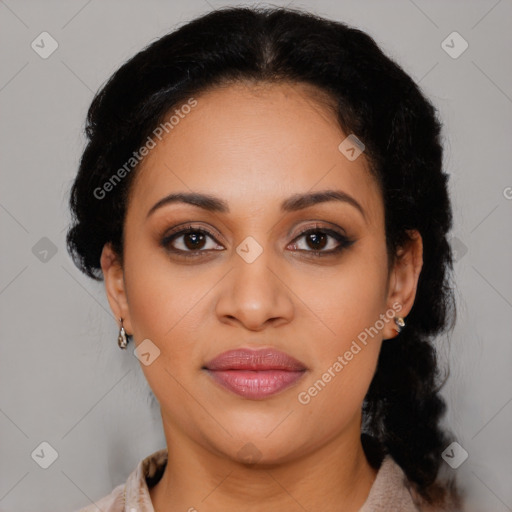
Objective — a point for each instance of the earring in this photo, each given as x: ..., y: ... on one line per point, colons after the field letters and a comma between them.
x: 399, y: 321
x: 121, y: 338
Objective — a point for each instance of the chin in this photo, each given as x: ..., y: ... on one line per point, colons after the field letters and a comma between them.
x: 262, y: 449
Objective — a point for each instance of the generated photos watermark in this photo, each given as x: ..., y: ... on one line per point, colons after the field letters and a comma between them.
x: 137, y: 156
x: 304, y: 397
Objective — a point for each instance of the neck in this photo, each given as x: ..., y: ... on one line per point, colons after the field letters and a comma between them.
x: 336, y: 477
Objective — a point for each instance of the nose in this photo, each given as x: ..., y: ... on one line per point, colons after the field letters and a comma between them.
x: 254, y: 295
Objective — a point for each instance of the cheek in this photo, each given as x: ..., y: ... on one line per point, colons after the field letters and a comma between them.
x: 163, y: 308
x: 345, y: 356
x: 347, y: 301
x: 160, y: 293
x: 348, y: 339
x: 336, y: 393
x: 167, y: 306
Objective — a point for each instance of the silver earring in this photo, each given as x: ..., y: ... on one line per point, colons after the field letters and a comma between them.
x: 121, y: 338
x: 399, y: 321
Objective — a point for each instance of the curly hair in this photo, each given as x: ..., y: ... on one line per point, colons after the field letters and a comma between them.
x: 372, y: 98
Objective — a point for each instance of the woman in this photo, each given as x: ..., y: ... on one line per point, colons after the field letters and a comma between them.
x: 262, y: 193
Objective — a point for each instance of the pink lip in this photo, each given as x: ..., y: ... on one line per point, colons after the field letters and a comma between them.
x: 255, y: 374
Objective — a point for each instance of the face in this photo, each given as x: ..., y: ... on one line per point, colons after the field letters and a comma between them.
x: 260, y: 266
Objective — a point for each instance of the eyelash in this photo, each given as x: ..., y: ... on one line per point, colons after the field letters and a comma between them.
x: 343, y: 241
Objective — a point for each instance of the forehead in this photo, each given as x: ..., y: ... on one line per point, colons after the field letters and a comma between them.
x: 254, y: 145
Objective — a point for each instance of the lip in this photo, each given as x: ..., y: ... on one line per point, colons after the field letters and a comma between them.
x: 255, y: 374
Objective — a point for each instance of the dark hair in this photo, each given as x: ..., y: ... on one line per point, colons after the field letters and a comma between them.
x: 374, y: 99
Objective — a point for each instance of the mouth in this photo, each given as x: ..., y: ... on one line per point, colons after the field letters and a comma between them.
x: 255, y: 374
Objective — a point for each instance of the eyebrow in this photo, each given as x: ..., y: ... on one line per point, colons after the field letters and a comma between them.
x: 293, y: 203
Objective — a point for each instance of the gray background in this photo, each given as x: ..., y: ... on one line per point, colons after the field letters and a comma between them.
x: 63, y: 378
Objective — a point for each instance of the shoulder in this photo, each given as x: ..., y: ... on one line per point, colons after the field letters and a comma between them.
x: 391, y: 491
x: 134, y: 493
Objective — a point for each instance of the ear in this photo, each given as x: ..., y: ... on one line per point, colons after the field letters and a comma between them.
x: 114, y: 286
x: 403, y: 280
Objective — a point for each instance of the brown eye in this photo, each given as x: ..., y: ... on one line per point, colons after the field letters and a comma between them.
x: 194, y: 240
x: 190, y: 240
x: 316, y: 240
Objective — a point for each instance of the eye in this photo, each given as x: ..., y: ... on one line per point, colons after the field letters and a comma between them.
x: 191, y: 240
x: 318, y: 239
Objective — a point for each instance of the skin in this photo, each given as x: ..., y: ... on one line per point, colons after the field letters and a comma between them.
x: 255, y: 146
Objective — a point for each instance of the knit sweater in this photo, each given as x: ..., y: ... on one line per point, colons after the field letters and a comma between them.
x: 389, y: 492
